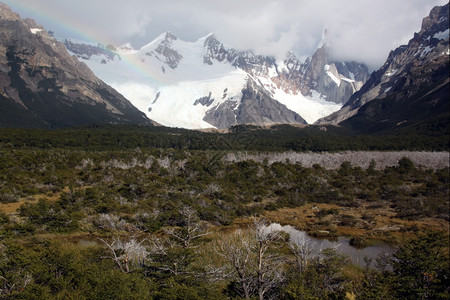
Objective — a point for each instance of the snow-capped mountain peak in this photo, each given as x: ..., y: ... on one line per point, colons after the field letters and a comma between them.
x: 205, y: 84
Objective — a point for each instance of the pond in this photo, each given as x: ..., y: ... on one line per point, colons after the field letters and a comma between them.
x: 88, y: 243
x: 341, y: 244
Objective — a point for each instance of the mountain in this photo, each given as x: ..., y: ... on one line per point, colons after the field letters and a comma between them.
x: 411, y: 88
x: 205, y: 84
x: 41, y: 85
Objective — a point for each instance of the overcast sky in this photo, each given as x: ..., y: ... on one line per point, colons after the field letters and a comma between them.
x: 361, y: 30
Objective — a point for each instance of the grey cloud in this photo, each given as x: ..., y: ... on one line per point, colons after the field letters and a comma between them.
x: 361, y: 30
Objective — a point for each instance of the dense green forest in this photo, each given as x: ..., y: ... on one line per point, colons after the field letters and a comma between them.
x: 116, y: 212
x: 431, y: 136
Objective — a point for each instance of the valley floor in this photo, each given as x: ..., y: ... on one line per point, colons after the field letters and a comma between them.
x: 158, y: 219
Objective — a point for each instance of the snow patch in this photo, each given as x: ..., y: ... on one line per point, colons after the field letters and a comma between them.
x: 442, y: 35
x: 391, y: 72
x: 273, y: 72
x: 442, y: 19
x: 282, y: 66
x: 347, y: 79
x: 387, y: 90
x: 425, y: 51
x: 333, y: 74
x: 352, y: 76
x: 311, y: 108
x: 35, y: 30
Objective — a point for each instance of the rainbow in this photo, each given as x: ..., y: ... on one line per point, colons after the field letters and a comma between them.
x: 75, y: 26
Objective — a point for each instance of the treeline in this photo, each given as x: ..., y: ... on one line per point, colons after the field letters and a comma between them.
x: 276, y: 138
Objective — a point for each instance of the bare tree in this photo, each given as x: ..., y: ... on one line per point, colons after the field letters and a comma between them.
x: 191, y: 230
x: 168, y: 258
x: 237, y: 250
x: 302, y: 249
x: 269, y: 264
x: 127, y: 253
x: 252, y: 261
x: 433, y: 160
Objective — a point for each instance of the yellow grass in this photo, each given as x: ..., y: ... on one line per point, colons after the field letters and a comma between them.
x: 381, y: 227
x: 10, y: 208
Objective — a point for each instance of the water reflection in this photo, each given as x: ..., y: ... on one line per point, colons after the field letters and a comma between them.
x: 356, y: 255
x: 88, y: 243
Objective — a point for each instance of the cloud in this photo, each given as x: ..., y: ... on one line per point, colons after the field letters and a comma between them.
x: 361, y: 30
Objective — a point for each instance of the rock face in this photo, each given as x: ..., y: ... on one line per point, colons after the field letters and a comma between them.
x: 205, y: 84
x: 41, y: 85
x: 257, y: 107
x: 410, y: 72
x: 165, y: 53
x: 334, y: 81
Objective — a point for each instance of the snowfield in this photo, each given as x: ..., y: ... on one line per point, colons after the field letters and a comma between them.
x: 166, y: 82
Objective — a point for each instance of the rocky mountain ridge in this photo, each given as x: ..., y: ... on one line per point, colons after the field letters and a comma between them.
x: 408, y: 70
x: 41, y: 85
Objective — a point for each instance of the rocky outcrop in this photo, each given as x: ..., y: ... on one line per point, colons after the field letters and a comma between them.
x: 256, y: 107
x: 165, y: 52
x: 39, y: 79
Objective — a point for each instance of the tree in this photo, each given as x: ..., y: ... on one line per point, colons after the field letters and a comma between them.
x: 250, y: 262
x: 236, y: 250
x: 126, y: 254
x: 169, y: 262
x: 302, y: 249
x: 269, y: 271
x: 192, y: 229
x: 421, y: 269
x: 323, y: 278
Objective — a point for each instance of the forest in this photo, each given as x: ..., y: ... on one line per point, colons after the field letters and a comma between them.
x: 122, y: 212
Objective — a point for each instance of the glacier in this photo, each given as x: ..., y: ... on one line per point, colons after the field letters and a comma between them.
x: 166, y: 78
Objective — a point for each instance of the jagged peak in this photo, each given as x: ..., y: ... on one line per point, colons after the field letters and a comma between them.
x: 209, y: 40
x: 438, y: 14
x: 324, y: 41
x: 169, y: 36
x: 7, y: 13
x: 165, y: 38
x: 210, y: 35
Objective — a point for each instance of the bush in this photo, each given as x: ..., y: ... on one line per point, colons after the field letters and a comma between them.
x: 8, y: 198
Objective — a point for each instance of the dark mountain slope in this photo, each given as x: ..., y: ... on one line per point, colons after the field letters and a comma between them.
x: 429, y: 104
x: 41, y: 85
x: 411, y: 88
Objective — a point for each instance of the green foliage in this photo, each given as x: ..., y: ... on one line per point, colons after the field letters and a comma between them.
x: 49, y: 270
x: 323, y: 279
x: 4, y: 219
x: 277, y: 138
x: 111, y: 181
x: 421, y: 269
x: 51, y: 215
